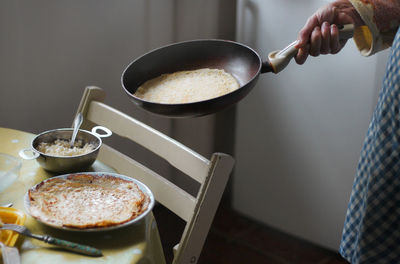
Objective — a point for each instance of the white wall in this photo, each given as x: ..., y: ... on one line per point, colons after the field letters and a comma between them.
x: 299, y: 133
x: 51, y: 50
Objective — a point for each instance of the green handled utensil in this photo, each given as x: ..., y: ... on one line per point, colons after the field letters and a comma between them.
x: 83, y: 249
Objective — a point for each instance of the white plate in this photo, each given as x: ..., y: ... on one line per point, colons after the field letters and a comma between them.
x: 141, y: 186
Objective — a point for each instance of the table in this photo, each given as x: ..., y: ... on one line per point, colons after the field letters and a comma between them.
x: 137, y: 243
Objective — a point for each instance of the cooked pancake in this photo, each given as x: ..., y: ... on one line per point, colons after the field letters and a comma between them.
x: 187, y: 86
x: 87, y: 201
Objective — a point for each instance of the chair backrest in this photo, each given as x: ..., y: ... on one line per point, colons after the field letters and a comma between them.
x: 212, y: 174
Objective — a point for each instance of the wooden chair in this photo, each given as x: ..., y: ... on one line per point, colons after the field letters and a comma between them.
x: 198, y: 212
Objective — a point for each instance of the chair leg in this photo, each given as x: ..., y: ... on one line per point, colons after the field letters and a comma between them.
x: 209, y: 197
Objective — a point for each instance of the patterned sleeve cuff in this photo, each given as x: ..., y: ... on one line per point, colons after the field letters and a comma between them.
x: 370, y: 39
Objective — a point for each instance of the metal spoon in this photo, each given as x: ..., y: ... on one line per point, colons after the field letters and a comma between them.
x: 77, y: 123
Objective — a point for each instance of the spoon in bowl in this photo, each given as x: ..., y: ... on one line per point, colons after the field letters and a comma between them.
x: 77, y: 123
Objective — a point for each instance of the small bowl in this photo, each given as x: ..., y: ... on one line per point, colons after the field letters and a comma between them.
x: 64, y: 164
x: 9, y: 170
x: 10, y: 216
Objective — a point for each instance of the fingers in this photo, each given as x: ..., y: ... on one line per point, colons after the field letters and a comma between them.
x: 322, y: 40
x: 305, y: 33
x: 320, y: 35
x: 315, y: 42
x: 334, y: 39
x: 302, y: 54
x: 326, y: 38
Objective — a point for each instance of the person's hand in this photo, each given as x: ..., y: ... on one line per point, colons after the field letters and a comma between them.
x: 320, y: 34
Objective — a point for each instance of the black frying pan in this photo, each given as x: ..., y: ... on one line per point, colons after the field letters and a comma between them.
x: 239, y: 60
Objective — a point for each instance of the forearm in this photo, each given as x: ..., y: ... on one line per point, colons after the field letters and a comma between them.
x: 382, y: 19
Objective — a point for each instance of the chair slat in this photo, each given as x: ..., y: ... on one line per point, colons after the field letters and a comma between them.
x: 168, y: 194
x: 198, y: 212
x: 178, y: 155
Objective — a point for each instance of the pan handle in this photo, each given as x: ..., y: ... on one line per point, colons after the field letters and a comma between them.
x: 279, y: 59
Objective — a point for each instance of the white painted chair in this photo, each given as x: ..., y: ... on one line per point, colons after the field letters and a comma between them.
x: 198, y: 212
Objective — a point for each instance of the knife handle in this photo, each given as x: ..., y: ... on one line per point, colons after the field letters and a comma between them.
x: 87, y: 250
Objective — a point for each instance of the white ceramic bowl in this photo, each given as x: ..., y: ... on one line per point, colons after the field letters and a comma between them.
x: 9, y: 170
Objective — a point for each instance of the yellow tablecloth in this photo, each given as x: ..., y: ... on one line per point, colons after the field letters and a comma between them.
x: 138, y: 243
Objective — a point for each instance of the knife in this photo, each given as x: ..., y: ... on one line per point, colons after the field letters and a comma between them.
x: 83, y: 249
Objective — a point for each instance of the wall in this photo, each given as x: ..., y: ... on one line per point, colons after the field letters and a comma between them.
x: 299, y: 132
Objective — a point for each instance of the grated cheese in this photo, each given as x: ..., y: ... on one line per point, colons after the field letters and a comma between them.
x: 61, y: 147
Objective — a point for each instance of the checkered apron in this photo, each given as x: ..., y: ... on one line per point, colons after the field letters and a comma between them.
x: 371, y: 232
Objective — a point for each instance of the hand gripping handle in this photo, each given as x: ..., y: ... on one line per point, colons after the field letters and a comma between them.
x: 279, y: 59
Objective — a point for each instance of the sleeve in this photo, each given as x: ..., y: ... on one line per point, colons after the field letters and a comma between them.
x: 382, y: 19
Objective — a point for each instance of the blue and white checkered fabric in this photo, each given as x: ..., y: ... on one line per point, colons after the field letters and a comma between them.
x: 371, y: 231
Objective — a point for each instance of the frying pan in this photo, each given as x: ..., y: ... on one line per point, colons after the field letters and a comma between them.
x: 241, y: 61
